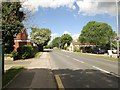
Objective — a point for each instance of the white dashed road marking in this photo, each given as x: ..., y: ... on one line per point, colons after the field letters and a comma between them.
x: 78, y: 60
x: 101, y: 69
x: 105, y: 71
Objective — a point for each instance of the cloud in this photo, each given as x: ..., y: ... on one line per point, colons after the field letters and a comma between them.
x: 53, y: 35
x: 33, y: 5
x: 92, y: 8
x: 74, y: 15
x: 66, y: 32
x: 86, y: 7
x: 75, y: 37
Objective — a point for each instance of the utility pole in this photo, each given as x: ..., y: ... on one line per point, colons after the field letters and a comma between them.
x: 1, y: 49
x: 117, y: 29
x: 1, y: 57
x: 110, y: 44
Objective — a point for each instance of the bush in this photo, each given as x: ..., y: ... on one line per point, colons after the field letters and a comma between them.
x: 14, y: 55
x: 55, y: 48
x: 76, y: 49
x: 65, y: 47
x: 25, y: 51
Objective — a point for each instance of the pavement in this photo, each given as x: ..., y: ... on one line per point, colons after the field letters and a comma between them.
x: 37, y: 75
x: 10, y: 63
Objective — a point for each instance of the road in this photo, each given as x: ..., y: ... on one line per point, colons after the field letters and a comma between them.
x: 81, y: 71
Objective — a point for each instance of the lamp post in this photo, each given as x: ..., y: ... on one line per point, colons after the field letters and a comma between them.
x: 117, y: 29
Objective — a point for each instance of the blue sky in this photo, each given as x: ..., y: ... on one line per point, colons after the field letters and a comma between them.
x: 66, y: 18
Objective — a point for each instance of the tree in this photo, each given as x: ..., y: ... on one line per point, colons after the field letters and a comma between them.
x: 97, y: 33
x: 11, y: 23
x: 56, y: 42
x: 40, y: 37
x: 66, y: 38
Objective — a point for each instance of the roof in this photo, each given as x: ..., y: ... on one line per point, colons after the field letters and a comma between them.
x: 22, y: 35
x: 75, y: 43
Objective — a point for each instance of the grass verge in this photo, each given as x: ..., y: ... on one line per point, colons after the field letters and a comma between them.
x: 8, y: 55
x: 38, y: 54
x: 97, y: 56
x: 10, y: 74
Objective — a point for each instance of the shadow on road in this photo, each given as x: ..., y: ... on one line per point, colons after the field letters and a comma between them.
x: 88, y: 78
x: 43, y: 79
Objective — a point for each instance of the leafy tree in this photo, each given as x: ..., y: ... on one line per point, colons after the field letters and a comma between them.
x: 66, y: 38
x: 40, y: 37
x: 97, y: 33
x: 11, y: 23
x: 56, y: 42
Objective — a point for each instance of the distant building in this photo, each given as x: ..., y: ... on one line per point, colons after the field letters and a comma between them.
x: 21, y: 39
x: 73, y: 45
x: 78, y: 45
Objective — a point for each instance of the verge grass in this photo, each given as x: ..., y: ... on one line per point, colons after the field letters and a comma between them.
x: 38, y: 54
x: 97, y: 56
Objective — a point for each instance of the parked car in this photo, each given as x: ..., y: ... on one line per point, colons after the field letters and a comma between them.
x: 114, y: 51
x: 98, y: 50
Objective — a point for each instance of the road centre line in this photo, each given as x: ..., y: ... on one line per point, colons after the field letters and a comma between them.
x: 78, y: 60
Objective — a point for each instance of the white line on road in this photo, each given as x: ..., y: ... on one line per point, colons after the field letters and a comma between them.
x: 78, y: 60
x: 101, y: 69
x: 105, y: 71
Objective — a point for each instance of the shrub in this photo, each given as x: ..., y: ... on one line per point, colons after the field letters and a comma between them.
x: 25, y: 51
x: 15, y: 55
x: 65, y: 47
x: 76, y: 49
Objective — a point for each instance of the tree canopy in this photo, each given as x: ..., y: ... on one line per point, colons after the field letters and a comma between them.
x: 97, y: 33
x: 56, y: 42
x: 11, y: 23
x: 41, y: 37
x: 65, y: 38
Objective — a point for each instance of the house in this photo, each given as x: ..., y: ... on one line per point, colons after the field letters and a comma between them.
x: 78, y: 46
x: 21, y: 39
x: 73, y: 45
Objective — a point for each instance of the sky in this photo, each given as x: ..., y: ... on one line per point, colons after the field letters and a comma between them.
x: 68, y: 16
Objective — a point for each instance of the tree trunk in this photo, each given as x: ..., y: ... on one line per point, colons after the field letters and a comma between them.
x: 40, y: 48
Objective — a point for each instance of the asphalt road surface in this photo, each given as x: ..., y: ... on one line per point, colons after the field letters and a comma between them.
x: 81, y: 71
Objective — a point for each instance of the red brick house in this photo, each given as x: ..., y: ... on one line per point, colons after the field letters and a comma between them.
x: 21, y: 39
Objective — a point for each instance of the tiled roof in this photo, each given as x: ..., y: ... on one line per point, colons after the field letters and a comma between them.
x: 76, y: 43
x: 22, y: 35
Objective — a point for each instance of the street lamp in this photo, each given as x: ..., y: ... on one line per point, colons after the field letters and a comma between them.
x: 117, y: 29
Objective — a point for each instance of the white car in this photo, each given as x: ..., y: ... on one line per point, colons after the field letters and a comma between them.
x: 114, y: 51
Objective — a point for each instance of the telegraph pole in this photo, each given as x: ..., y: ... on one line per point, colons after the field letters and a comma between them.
x: 117, y: 29
x: 1, y: 54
